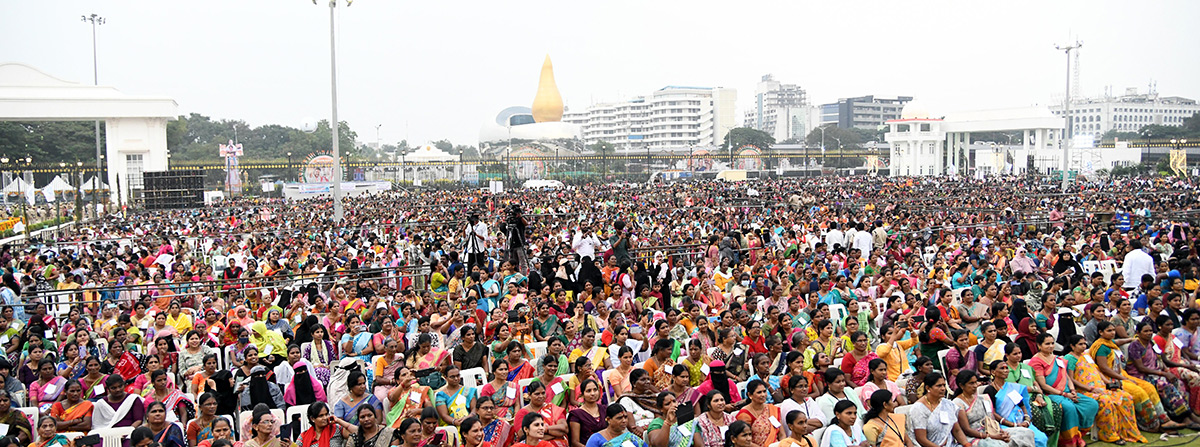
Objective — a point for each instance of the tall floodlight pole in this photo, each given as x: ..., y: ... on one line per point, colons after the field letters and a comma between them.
x: 95, y: 20
x: 338, y: 213
x: 1066, y: 144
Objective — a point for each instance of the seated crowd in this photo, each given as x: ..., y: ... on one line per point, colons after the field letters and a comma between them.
x: 795, y: 324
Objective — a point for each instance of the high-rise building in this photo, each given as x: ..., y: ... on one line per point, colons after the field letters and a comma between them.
x: 779, y: 109
x: 671, y: 118
x: 1126, y: 113
x: 863, y: 112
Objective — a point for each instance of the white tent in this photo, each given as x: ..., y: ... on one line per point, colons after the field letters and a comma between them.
x: 58, y: 184
x: 428, y: 153
x: 16, y: 186
x: 91, y: 184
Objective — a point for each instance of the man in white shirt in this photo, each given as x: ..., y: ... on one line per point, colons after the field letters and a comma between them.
x: 835, y: 236
x: 1137, y: 262
x: 863, y: 241
x: 476, y: 241
x: 585, y: 242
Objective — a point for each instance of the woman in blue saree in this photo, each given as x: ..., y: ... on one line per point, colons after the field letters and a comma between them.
x: 347, y: 407
x: 357, y: 343
x: 615, y: 434
x: 1012, y: 402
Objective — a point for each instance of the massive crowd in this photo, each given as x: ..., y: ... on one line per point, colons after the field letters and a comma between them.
x: 823, y: 312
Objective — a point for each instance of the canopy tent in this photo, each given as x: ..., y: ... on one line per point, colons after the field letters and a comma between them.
x: 17, y: 186
x: 58, y: 184
x: 429, y: 153
x: 91, y: 184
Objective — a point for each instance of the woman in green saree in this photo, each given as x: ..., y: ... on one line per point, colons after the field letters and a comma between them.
x: 18, y: 424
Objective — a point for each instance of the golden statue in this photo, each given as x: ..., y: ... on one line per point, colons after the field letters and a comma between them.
x: 547, y: 104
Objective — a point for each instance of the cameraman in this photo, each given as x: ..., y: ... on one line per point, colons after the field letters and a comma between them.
x: 515, y: 232
x: 476, y: 238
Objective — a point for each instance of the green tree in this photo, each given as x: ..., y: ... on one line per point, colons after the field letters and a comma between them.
x: 602, y: 148
x: 832, y: 134
x: 1191, y: 125
x: 468, y: 152
x: 743, y: 136
x: 50, y: 142
x: 605, y: 149
x: 1115, y: 134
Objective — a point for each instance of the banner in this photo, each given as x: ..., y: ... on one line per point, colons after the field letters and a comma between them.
x: 1179, y: 162
x: 231, y: 152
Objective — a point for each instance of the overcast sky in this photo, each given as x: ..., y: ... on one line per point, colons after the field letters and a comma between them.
x: 428, y: 70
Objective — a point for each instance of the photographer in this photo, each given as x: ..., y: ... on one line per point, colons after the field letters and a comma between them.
x: 514, y: 230
x: 476, y: 241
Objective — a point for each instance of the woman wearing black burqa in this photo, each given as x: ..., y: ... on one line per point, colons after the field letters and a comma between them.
x: 718, y: 380
x: 588, y: 272
x: 261, y: 391
x: 304, y: 332
x: 226, y: 400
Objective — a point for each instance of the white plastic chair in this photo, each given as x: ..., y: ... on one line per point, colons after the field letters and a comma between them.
x: 838, y: 312
x: 538, y: 349
x: 111, y: 437
x: 837, y: 363
x: 33, y: 414
x: 710, y: 350
x: 903, y: 409
x: 451, y: 434
x: 942, y: 361
x: 521, y: 384
x: 1108, y: 267
x: 473, y: 377
x: 228, y: 356
x: 298, y: 410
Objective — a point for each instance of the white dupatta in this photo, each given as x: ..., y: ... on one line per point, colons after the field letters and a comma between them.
x: 104, y: 416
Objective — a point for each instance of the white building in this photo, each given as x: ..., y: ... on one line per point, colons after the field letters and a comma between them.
x: 671, y: 118
x: 924, y: 145
x: 1126, y: 113
x: 780, y: 110
x: 135, y: 126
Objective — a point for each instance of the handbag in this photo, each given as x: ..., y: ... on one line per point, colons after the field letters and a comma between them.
x: 431, y: 378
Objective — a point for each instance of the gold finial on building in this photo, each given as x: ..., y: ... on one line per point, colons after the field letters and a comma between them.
x: 547, y: 104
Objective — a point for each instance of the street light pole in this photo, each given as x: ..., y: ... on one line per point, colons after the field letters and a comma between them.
x: 822, y: 146
x: 338, y: 213
x: 289, y: 167
x: 839, y: 147
x: 1066, y: 144
x: 95, y: 19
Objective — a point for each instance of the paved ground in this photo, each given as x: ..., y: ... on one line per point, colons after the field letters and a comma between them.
x: 1187, y: 438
